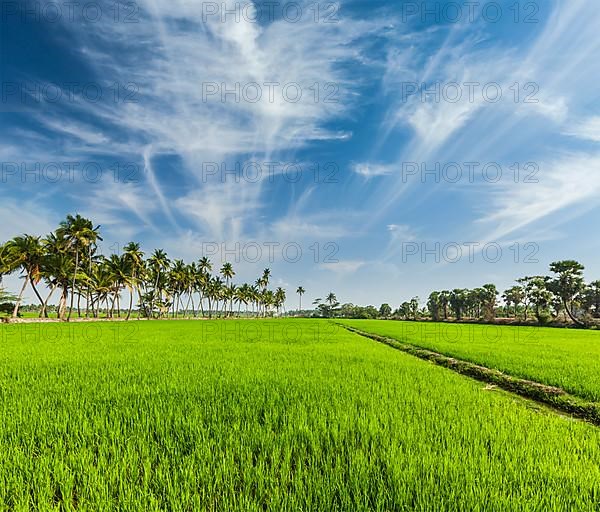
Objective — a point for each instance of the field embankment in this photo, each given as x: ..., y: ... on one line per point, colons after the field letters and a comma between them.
x: 564, y: 358
x: 549, y: 395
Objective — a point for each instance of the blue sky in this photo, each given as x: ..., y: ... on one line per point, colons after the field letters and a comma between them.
x: 118, y: 113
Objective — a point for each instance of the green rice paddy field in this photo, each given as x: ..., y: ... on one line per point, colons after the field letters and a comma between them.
x: 271, y: 415
x: 566, y: 358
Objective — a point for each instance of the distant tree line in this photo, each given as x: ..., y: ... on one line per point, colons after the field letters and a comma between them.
x: 561, y: 298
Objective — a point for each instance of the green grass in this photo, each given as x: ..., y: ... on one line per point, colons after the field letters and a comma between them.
x: 566, y: 358
x: 268, y: 415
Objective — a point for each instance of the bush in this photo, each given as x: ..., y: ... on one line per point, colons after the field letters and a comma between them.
x: 7, y: 307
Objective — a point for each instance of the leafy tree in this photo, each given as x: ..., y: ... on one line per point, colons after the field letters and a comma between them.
x: 488, y: 296
x: 515, y: 296
x: 434, y: 305
x: 385, y: 311
x: 567, y: 284
x: 414, y: 308
x: 591, y: 299
x: 458, y: 301
x: 538, y: 295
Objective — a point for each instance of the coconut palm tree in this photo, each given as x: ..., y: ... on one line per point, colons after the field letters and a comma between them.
x: 279, y: 299
x: 118, y: 270
x: 266, y: 276
x: 158, y: 264
x: 80, y: 235
x: 213, y: 293
x: 177, y: 283
x: 191, y: 271
x: 26, y: 254
x: 203, y: 280
x: 133, y: 257
x: 227, y: 272
x: 300, y: 291
x: 242, y: 296
x: 6, y: 266
x: 268, y: 300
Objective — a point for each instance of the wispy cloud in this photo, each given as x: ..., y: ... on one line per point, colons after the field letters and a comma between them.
x: 370, y: 170
x: 587, y: 129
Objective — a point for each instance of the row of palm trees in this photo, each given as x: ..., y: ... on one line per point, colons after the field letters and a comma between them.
x: 67, y: 262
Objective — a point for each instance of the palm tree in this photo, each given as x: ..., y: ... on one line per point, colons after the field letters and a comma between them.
x: 26, y: 253
x: 266, y: 277
x: 6, y: 266
x: 213, y: 293
x: 80, y: 234
x: 254, y: 297
x: 177, y: 278
x: 158, y: 263
x: 242, y: 296
x: 300, y: 291
x: 279, y: 299
x: 191, y: 271
x: 331, y: 299
x: 134, y: 259
x: 268, y: 300
x: 203, y: 279
x: 120, y: 274
x: 227, y: 272
x: 58, y: 271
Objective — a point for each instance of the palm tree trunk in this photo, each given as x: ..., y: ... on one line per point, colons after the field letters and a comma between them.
x: 139, y: 294
x: 44, y: 312
x: 130, y: 304
x: 18, y: 303
x: 112, y: 306
x: 74, y: 277
x: 62, y: 306
x: 187, y: 306
x: 35, y: 291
